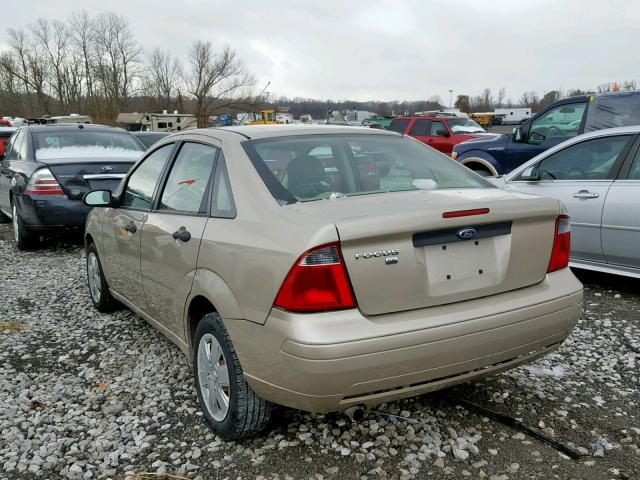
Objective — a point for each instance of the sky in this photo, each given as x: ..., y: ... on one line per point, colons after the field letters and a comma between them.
x: 387, y: 50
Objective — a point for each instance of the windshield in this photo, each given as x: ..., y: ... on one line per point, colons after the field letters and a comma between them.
x: 464, y: 125
x: 316, y: 167
x: 85, y: 144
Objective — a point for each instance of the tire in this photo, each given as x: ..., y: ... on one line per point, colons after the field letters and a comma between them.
x: 246, y: 413
x: 23, y: 237
x: 97, y: 283
x: 4, y: 218
x: 482, y: 172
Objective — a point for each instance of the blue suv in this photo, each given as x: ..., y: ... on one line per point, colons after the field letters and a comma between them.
x: 499, y: 154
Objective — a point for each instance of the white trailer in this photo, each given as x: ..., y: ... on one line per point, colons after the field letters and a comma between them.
x: 157, y: 122
x: 513, y: 116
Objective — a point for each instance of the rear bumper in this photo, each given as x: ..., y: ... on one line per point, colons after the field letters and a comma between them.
x: 329, y: 361
x: 42, y: 212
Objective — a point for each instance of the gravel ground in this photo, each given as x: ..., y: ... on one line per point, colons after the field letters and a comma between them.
x: 87, y: 395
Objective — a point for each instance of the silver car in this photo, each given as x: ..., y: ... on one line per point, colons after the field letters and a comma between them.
x: 597, y: 176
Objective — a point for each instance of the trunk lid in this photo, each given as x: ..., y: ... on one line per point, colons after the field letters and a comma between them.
x: 78, y: 177
x: 401, y: 254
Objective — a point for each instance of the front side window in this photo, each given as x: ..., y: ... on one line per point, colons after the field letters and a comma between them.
x: 437, y: 128
x: 561, y: 121
x: 420, y: 128
x: 84, y: 143
x: 189, y: 179
x: 142, y: 183
x: 299, y: 168
x: 398, y: 125
x: 589, y: 160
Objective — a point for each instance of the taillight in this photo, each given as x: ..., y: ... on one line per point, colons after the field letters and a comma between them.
x: 317, y: 282
x: 43, y: 182
x: 561, y: 245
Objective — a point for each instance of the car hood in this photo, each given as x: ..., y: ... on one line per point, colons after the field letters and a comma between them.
x: 483, y: 141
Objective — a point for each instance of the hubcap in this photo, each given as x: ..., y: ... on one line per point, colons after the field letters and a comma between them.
x: 93, y: 276
x: 16, y: 228
x: 213, y: 377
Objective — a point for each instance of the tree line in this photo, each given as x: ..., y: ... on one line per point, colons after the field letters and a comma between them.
x: 93, y: 64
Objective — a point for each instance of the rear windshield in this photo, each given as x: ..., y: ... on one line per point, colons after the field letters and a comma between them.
x: 85, y: 144
x: 613, y: 110
x: 316, y: 167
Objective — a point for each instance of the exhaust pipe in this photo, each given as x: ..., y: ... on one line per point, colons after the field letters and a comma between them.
x: 357, y: 413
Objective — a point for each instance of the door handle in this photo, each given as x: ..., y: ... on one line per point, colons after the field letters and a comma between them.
x: 131, y: 228
x: 585, y: 194
x: 182, y: 235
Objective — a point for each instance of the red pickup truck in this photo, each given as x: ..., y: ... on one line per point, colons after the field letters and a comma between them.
x: 439, y: 132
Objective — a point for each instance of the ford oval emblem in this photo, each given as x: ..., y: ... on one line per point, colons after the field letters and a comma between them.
x: 467, y: 233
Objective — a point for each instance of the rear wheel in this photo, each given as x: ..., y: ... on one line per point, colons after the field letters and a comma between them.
x: 23, y: 237
x: 98, y: 287
x: 227, y: 402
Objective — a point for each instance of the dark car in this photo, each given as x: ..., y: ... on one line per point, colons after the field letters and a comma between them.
x: 500, y: 154
x: 149, y: 138
x: 47, y: 169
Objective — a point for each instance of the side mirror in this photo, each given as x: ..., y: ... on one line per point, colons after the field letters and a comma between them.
x: 443, y: 133
x: 530, y: 174
x: 517, y: 135
x: 98, y: 198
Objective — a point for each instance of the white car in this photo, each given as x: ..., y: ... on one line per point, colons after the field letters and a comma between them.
x: 597, y: 176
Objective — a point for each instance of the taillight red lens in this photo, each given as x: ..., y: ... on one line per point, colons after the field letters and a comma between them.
x: 561, y: 245
x: 42, y: 182
x: 317, y: 282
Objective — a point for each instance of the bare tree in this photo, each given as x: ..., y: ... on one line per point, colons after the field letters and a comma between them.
x: 214, y: 78
x: 83, y: 40
x: 117, y: 59
x: 164, y: 77
x: 502, y: 94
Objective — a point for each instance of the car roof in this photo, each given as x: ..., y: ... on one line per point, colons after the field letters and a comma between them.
x: 72, y: 126
x: 282, y: 130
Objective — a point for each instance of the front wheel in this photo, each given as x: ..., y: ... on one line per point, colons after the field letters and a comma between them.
x: 98, y: 287
x: 226, y: 399
x: 22, y: 236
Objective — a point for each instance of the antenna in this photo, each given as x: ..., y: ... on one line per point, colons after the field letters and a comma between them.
x: 254, y: 103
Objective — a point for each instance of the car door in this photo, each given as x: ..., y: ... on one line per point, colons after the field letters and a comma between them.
x: 580, y: 175
x: 6, y: 172
x: 621, y: 217
x: 122, y: 226
x: 420, y: 130
x: 439, y: 137
x: 172, y: 233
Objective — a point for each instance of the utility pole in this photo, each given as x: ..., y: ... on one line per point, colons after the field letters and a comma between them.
x: 450, y: 97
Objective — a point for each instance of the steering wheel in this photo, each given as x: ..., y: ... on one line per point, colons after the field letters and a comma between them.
x: 580, y: 172
x: 553, y: 131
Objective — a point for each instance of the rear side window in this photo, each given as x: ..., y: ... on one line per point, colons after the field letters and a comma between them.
x: 223, y: 205
x: 420, y: 128
x: 315, y: 167
x: 189, y: 179
x: 613, y: 110
x: 634, y: 173
x: 142, y: 183
x: 399, y: 125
